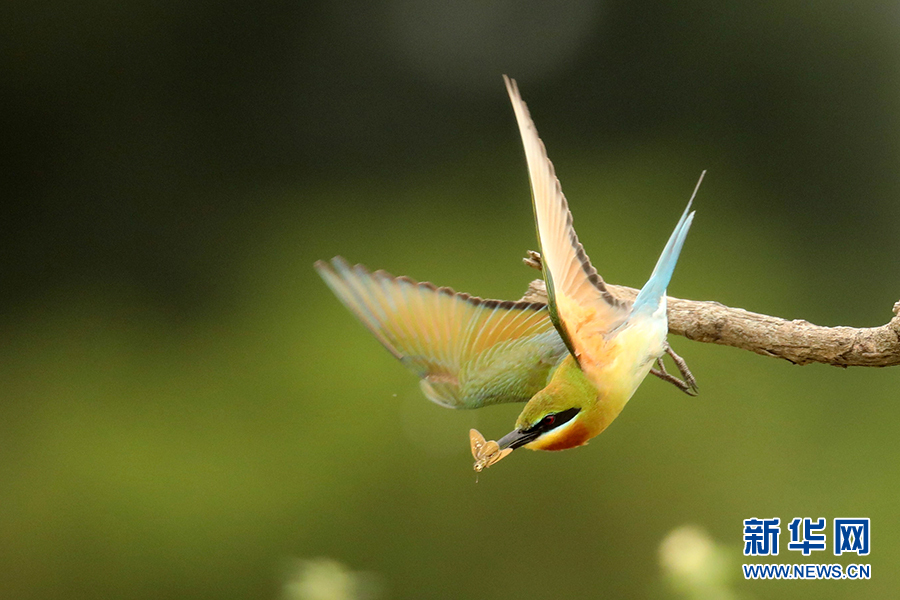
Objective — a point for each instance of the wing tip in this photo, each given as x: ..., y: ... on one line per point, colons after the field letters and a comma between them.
x: 512, y: 88
x: 336, y: 263
x: 322, y: 266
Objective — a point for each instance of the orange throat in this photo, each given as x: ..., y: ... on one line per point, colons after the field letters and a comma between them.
x: 571, y: 436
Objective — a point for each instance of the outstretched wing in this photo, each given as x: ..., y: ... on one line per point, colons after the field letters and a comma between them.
x: 468, y: 352
x: 578, y: 297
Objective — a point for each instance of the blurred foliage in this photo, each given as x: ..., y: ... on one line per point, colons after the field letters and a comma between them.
x: 184, y: 406
x: 696, y: 567
x: 325, y: 579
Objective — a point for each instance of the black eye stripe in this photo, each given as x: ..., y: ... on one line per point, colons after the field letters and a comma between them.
x: 554, y: 420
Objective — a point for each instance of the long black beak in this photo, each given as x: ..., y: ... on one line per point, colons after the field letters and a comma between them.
x: 518, y: 438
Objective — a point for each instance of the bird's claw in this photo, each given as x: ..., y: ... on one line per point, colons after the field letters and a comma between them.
x: 688, y: 384
x: 533, y: 260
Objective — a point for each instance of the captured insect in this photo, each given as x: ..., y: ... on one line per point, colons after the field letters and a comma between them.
x: 486, y: 453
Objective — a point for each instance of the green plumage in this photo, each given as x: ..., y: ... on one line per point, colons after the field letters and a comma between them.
x: 467, y: 351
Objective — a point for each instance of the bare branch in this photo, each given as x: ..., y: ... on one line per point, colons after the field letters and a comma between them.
x: 797, y: 341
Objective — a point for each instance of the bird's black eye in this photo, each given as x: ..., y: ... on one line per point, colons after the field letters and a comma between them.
x: 548, y: 420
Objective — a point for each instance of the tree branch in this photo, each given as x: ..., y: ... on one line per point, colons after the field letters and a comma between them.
x: 797, y: 341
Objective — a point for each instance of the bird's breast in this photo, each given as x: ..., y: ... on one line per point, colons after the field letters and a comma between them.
x: 617, y: 364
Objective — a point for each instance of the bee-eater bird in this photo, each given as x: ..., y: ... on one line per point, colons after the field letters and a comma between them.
x: 576, y: 359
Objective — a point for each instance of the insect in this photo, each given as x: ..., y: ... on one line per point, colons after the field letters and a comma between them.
x: 486, y: 453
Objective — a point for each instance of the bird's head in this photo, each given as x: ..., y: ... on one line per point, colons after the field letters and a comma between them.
x: 563, y: 415
x: 547, y: 423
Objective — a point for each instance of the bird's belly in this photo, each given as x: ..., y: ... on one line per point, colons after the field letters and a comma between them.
x: 617, y: 366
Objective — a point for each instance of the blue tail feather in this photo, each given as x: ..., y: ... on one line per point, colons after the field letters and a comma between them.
x: 655, y: 289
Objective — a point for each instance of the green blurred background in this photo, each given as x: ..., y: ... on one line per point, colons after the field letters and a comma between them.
x: 187, y: 412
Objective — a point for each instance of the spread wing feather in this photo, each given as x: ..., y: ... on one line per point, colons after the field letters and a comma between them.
x: 468, y: 352
x: 577, y: 295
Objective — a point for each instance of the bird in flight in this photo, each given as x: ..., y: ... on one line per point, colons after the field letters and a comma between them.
x: 570, y: 349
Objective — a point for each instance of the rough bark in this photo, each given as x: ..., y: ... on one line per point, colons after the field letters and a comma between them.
x: 797, y: 341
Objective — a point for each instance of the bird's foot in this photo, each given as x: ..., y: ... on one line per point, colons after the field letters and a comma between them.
x: 688, y: 384
x: 533, y: 260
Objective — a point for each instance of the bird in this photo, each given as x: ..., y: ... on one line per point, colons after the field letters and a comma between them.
x: 570, y: 349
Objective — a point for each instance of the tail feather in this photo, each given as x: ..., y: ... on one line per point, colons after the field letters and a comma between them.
x: 654, y: 291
